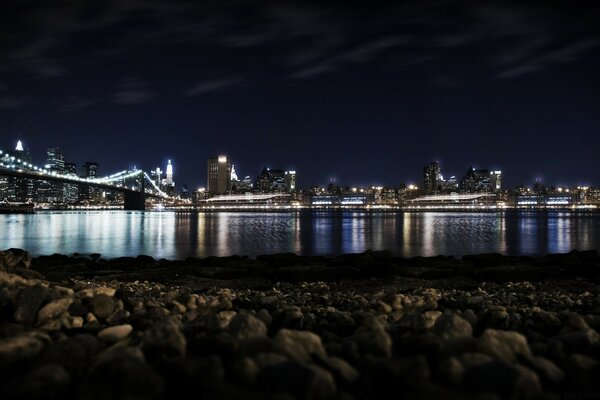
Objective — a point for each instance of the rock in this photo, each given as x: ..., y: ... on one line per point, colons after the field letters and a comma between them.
x: 548, y: 372
x: 245, y: 325
x: 470, y: 360
x: 300, y: 380
x: 164, y: 340
x: 506, y: 380
x: 503, y: 345
x: 102, y: 306
x: 89, y: 293
x: 450, y: 325
x: 19, y: 350
x: 298, y: 345
x: 53, y: 309
x: 263, y: 360
x: 28, y: 301
x: 12, y: 259
x: 49, y: 381
x: 584, y: 342
x: 376, y: 342
x: 470, y: 316
x: 115, y: 333
x: 245, y: 370
x: 121, y: 374
x: 341, y: 370
x: 450, y: 371
x: 583, y: 371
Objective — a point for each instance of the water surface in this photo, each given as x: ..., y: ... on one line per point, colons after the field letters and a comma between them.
x: 178, y: 235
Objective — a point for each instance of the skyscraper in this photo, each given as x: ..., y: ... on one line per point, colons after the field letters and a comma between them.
x: 432, y: 178
x: 219, y: 175
x: 169, y: 173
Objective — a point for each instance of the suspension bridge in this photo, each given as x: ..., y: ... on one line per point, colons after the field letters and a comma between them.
x: 134, y: 195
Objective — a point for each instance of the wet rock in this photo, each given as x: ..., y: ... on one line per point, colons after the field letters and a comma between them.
x: 451, y: 325
x: 506, y: 380
x: 298, y: 345
x: 246, y: 325
x: 344, y: 373
x: 115, y: 333
x: 300, y: 380
x: 503, y: 345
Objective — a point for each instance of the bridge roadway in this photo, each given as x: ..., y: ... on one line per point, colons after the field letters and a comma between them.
x: 132, y: 199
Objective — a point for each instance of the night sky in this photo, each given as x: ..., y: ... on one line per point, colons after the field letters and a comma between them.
x: 368, y: 93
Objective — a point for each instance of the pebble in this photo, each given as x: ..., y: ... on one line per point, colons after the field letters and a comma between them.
x: 115, y: 333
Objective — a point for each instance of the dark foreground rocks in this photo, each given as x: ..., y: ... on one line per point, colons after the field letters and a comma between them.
x: 286, y: 327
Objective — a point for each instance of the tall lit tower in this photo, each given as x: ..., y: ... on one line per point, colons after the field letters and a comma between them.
x: 219, y: 175
x: 19, y: 146
x: 169, y: 173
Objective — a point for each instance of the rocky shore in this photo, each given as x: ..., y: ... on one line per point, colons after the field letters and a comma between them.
x: 357, y: 326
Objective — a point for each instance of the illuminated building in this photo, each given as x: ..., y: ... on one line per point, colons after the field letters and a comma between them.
x: 432, y: 178
x: 169, y: 173
x: 219, y: 175
x: 290, y: 180
x: 476, y: 180
x: 90, y: 169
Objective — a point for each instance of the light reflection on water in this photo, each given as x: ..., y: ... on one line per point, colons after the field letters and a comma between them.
x: 176, y: 236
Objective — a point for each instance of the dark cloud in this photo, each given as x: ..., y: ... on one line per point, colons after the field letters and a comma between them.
x: 13, y: 102
x: 212, y: 86
x: 133, y: 91
x: 302, y: 39
x: 74, y: 103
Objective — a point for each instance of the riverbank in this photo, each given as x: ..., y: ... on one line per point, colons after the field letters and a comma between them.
x: 283, y: 326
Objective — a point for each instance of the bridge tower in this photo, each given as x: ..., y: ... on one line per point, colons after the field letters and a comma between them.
x: 135, y: 201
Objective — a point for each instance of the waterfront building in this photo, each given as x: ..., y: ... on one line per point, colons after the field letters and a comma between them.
x: 275, y: 181
x: 168, y: 185
x: 55, y: 162
x: 290, y: 181
x: 476, y: 181
x: 432, y: 175
x: 219, y: 175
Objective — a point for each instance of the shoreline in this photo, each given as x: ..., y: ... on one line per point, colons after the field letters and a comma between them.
x: 286, y: 326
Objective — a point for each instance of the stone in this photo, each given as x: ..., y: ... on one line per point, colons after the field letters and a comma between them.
x: 376, y: 342
x: 583, y: 371
x: 121, y: 374
x: 298, y: 345
x: 583, y: 342
x: 245, y: 325
x: 300, y: 380
x: 548, y: 372
x: 49, y: 381
x: 341, y: 370
x: 28, y: 301
x: 89, y: 293
x: 12, y: 259
x: 115, y: 333
x: 19, y: 350
x: 506, y: 380
x: 471, y: 359
x: 164, y: 340
x: 263, y: 360
x: 450, y: 371
x: 450, y: 325
x: 245, y: 370
x: 53, y: 309
x: 503, y: 345
x: 102, y: 306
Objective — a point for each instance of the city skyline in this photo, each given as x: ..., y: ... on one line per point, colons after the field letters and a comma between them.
x: 364, y: 93
x: 170, y: 176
